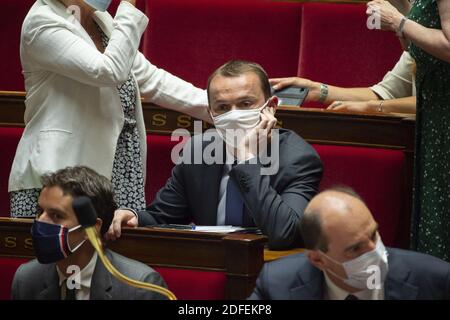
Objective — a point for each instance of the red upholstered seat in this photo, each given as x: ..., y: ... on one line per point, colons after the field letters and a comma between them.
x: 193, y: 38
x: 12, y: 14
x: 194, y: 284
x: 159, y: 163
x: 8, y: 267
x: 377, y: 175
x: 185, y: 284
x: 337, y: 47
x: 9, y: 139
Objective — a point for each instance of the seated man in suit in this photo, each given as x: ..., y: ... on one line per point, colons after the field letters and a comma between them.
x: 67, y: 266
x: 346, y: 259
x: 238, y: 192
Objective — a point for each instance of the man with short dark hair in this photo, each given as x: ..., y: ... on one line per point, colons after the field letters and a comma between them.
x: 238, y: 189
x: 67, y: 266
x: 346, y: 259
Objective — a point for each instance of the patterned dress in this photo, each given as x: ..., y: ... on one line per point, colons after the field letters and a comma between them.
x: 127, y: 175
x: 431, y: 213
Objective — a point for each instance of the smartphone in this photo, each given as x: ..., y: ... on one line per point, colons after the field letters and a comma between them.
x: 291, y: 96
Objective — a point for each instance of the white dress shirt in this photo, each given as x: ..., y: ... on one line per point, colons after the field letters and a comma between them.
x: 85, y: 280
x: 221, y: 213
x: 333, y: 292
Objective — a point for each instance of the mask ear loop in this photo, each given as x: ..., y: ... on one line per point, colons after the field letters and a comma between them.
x: 335, y: 262
x: 68, y: 243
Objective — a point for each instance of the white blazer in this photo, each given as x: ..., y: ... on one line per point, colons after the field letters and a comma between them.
x: 73, y: 111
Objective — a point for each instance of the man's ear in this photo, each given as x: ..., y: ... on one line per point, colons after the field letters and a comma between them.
x: 316, y: 259
x: 98, y: 225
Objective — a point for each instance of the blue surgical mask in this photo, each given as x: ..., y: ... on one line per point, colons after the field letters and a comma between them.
x: 51, y: 241
x: 100, y: 5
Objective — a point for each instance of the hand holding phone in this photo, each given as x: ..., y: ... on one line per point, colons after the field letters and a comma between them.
x: 292, y: 95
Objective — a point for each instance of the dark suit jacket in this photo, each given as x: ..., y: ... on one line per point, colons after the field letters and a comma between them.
x: 36, y: 281
x: 273, y: 203
x: 411, y: 276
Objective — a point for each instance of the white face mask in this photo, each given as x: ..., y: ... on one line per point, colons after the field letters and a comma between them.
x: 100, y: 5
x: 229, y: 123
x: 368, y: 271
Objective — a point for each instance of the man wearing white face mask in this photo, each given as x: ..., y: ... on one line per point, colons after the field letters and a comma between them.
x: 67, y: 266
x: 239, y: 194
x: 346, y: 259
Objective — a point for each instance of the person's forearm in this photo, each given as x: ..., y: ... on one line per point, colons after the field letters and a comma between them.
x: 401, y: 105
x: 350, y: 94
x: 402, y: 5
x: 432, y: 41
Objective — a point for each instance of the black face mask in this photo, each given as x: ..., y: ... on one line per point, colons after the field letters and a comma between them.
x: 51, y: 241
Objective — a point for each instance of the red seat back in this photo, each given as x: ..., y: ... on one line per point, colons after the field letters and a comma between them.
x: 193, y: 38
x: 159, y: 163
x: 9, y: 139
x: 8, y: 267
x: 140, y: 4
x: 378, y: 175
x: 337, y: 48
x: 12, y: 14
x: 194, y: 284
x: 184, y: 283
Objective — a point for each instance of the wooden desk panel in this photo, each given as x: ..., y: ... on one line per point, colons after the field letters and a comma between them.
x: 392, y: 131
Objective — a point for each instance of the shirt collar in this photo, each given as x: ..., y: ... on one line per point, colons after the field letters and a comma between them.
x: 336, y: 293
x: 85, y: 274
x: 333, y: 291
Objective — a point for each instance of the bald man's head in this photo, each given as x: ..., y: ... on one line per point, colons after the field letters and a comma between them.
x: 332, y: 217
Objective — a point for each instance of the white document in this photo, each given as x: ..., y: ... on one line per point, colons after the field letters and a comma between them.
x: 218, y: 229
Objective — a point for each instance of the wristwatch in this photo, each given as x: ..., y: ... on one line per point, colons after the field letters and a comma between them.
x: 400, y: 27
x: 323, y: 93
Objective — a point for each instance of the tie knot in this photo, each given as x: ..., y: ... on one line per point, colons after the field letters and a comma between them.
x: 351, y: 297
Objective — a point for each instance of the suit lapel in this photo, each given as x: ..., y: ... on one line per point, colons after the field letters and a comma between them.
x: 104, y: 21
x: 51, y: 289
x: 101, y: 285
x: 311, y: 285
x: 75, y: 25
x: 209, y: 197
x: 398, y: 289
x: 397, y: 286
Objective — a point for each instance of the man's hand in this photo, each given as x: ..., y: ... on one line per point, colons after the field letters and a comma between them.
x: 258, y: 136
x: 314, y: 87
x: 122, y: 218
